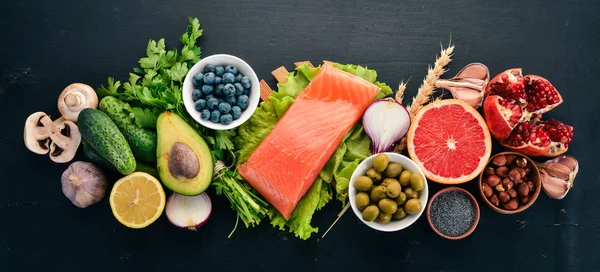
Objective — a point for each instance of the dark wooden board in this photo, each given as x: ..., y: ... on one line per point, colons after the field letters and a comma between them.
x: 47, y: 45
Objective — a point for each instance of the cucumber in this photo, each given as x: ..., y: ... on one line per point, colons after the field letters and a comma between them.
x: 90, y: 153
x: 106, y: 139
x: 142, y: 141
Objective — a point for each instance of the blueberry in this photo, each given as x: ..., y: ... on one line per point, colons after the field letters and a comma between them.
x: 230, y: 99
x: 212, y: 103
x: 231, y: 69
x: 207, y: 89
x: 246, y: 82
x: 219, y: 90
x: 224, y: 107
x: 236, y: 112
x: 200, y: 104
x: 215, y: 116
x: 238, y: 78
x: 218, y: 80
x: 209, y: 78
x: 229, y: 90
x: 243, y: 101
x: 208, y: 97
x: 209, y: 68
x: 239, y: 89
x: 219, y: 70
x: 197, y: 79
x: 196, y: 94
x: 228, y: 78
x: 226, y: 119
x: 205, y: 114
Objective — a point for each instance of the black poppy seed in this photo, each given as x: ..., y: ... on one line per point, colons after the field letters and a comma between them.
x: 452, y: 213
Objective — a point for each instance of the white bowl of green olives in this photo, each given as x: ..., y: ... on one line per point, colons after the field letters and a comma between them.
x: 388, y: 192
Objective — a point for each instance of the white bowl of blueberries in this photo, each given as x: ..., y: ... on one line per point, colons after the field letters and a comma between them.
x: 221, y: 92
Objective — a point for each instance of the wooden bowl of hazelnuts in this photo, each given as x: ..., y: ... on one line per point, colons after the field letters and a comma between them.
x: 510, y: 183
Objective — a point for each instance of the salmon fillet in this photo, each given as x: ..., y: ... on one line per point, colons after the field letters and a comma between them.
x: 287, y: 162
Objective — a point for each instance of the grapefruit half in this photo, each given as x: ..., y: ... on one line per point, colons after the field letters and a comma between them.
x: 450, y: 141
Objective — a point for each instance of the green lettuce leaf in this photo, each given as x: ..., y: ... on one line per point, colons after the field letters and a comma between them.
x: 352, y: 150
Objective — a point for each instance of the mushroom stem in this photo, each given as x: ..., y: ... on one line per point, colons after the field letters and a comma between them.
x: 73, y: 100
x: 54, y: 132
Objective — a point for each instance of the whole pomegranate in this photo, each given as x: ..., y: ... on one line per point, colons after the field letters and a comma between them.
x: 513, y: 108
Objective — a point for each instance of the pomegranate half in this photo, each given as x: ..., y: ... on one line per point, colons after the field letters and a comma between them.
x: 513, y: 107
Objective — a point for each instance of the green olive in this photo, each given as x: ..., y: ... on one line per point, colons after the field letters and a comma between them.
x: 410, y: 193
x: 393, y: 189
x: 400, y: 199
x: 405, y: 178
x: 384, y: 218
x: 399, y: 214
x: 393, y: 170
x: 387, y: 181
x: 413, y: 206
x: 362, y: 200
x: 374, y: 175
x: 380, y: 162
x: 370, y: 213
x: 363, y: 183
x: 417, y: 182
x: 378, y: 193
x: 388, y: 206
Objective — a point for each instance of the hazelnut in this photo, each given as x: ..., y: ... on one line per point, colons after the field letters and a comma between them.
x: 515, y: 175
x: 504, y: 197
x: 525, y: 178
x: 507, y: 184
x: 522, y: 172
x: 499, y: 160
x: 511, y: 205
x: 510, y: 159
x: 487, y: 190
x: 489, y: 171
x: 502, y: 171
x: 523, y: 189
x: 527, y: 170
x: 494, y: 200
x: 512, y: 193
x: 523, y: 200
x: 499, y: 187
x: 531, y: 186
x: 521, y: 162
x: 493, y: 180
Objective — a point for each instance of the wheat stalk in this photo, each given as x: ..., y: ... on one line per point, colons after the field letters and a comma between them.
x: 400, y: 92
x: 433, y: 74
x: 427, y: 88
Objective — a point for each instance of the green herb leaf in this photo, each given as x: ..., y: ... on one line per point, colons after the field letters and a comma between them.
x: 144, y: 117
x: 112, y: 90
x: 223, y: 139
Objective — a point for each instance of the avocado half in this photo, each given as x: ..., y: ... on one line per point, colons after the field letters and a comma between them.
x: 184, y: 159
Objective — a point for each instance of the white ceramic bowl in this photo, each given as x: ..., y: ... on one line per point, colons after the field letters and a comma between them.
x: 393, y: 225
x: 221, y: 59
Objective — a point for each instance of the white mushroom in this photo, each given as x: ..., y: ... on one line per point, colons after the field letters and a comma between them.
x: 61, y: 138
x: 36, y: 135
x: 75, y: 98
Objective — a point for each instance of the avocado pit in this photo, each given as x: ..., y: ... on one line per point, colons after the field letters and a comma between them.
x: 183, y: 162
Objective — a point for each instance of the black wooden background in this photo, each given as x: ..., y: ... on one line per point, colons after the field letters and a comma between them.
x: 46, y: 45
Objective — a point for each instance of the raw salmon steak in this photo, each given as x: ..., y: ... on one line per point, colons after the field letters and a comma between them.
x: 287, y: 162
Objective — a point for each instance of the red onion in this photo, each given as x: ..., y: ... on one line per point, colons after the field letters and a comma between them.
x: 188, y: 212
x: 385, y: 121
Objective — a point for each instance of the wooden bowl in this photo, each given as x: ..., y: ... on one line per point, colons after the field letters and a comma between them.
x: 534, y: 176
x: 475, y: 206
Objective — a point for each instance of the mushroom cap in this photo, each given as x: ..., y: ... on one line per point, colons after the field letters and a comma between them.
x: 36, y: 135
x: 75, y: 98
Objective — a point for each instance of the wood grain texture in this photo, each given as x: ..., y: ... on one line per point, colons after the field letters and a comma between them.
x: 46, y: 45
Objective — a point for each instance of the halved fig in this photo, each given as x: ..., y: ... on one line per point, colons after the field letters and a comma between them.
x: 512, y: 108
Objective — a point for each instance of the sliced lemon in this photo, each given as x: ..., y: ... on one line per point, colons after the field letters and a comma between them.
x: 137, y: 200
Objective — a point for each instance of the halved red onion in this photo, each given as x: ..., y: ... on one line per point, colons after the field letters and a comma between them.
x: 385, y: 121
x: 188, y: 212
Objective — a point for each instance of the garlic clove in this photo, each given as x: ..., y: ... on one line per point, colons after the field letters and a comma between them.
x: 555, y: 187
x: 83, y: 184
x: 558, y: 175
x: 557, y: 170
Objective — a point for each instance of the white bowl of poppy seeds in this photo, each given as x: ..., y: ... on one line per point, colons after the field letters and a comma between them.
x: 453, y: 213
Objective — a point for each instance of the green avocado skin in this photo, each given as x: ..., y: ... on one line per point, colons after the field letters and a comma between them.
x: 101, y: 133
x: 142, y: 141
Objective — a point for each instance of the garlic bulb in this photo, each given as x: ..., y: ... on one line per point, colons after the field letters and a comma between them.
x: 558, y: 175
x: 84, y: 184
